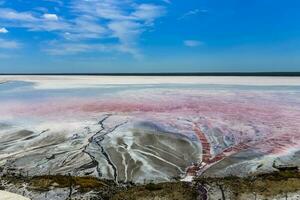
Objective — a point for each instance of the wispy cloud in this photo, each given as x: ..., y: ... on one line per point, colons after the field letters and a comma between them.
x: 148, y: 13
x: 192, y: 12
x: 57, y: 48
x: 59, y: 2
x: 123, y: 20
x: 9, y: 44
x: 192, y: 43
x: 167, y: 1
x: 12, y: 15
x: 13, y: 18
x: 107, y: 22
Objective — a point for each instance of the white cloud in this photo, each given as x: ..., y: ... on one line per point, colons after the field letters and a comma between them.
x: 119, y: 23
x: 192, y: 43
x: 27, y: 20
x: 9, y: 44
x: 86, y: 27
x: 192, y: 12
x: 167, y: 1
x: 52, y: 17
x: 126, y: 31
x: 123, y: 20
x: 148, y: 12
x: 3, y: 30
x: 102, y: 9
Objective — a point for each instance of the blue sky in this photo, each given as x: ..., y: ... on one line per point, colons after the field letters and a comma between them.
x: 61, y: 36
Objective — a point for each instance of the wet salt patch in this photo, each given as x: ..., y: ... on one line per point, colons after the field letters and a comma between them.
x: 11, y: 196
x: 188, y: 179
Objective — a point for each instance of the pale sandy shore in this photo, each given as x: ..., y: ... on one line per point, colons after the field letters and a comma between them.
x: 53, y: 82
x: 11, y: 196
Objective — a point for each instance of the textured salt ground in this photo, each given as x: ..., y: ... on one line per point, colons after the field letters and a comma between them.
x: 251, y: 162
x: 239, y: 164
x: 121, y: 152
x: 165, y: 154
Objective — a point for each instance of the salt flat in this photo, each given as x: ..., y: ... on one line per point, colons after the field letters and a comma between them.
x: 144, y: 129
x: 44, y: 82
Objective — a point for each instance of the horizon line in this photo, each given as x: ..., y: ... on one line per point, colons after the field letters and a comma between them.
x: 160, y: 74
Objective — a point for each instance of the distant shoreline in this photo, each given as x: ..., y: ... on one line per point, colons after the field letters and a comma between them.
x: 292, y: 74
